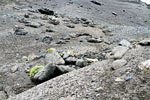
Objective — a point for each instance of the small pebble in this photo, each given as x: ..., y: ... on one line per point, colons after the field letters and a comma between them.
x: 128, y: 78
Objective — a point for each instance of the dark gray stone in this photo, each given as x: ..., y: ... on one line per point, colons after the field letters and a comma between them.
x: 49, y: 30
x: 61, y: 42
x: 20, y: 31
x: 46, y: 11
x: 26, y: 15
x: 94, y: 40
x: 70, y: 61
x: 47, y: 39
x: 83, y: 34
x: 70, y: 26
x: 97, y: 3
x: 65, y: 38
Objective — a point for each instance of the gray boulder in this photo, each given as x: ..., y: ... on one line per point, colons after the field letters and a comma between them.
x: 45, y: 74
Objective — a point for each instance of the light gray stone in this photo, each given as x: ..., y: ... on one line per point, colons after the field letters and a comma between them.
x: 119, y: 63
x: 67, y: 98
x: 14, y: 68
x: 145, y: 65
x: 80, y: 63
x: 9, y: 91
x: 3, y: 95
x: 34, y: 24
x: 125, y: 43
x: 144, y: 42
x: 54, y: 58
x: 119, y: 52
x: 54, y: 21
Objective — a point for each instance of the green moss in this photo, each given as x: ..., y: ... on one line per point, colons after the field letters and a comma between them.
x: 51, y: 50
x: 34, y: 70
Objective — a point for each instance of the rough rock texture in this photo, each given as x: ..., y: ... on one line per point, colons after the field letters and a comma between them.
x: 68, y: 84
x: 104, y: 22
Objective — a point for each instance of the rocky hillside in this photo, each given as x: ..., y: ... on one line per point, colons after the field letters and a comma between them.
x: 74, y: 50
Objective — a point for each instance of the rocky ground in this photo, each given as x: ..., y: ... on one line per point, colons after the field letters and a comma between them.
x: 74, y: 50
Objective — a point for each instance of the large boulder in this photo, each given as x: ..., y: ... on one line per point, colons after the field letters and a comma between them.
x: 44, y: 74
x: 50, y: 71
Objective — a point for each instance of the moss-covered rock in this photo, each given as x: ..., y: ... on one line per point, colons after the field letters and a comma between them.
x: 35, y: 70
x: 48, y: 72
